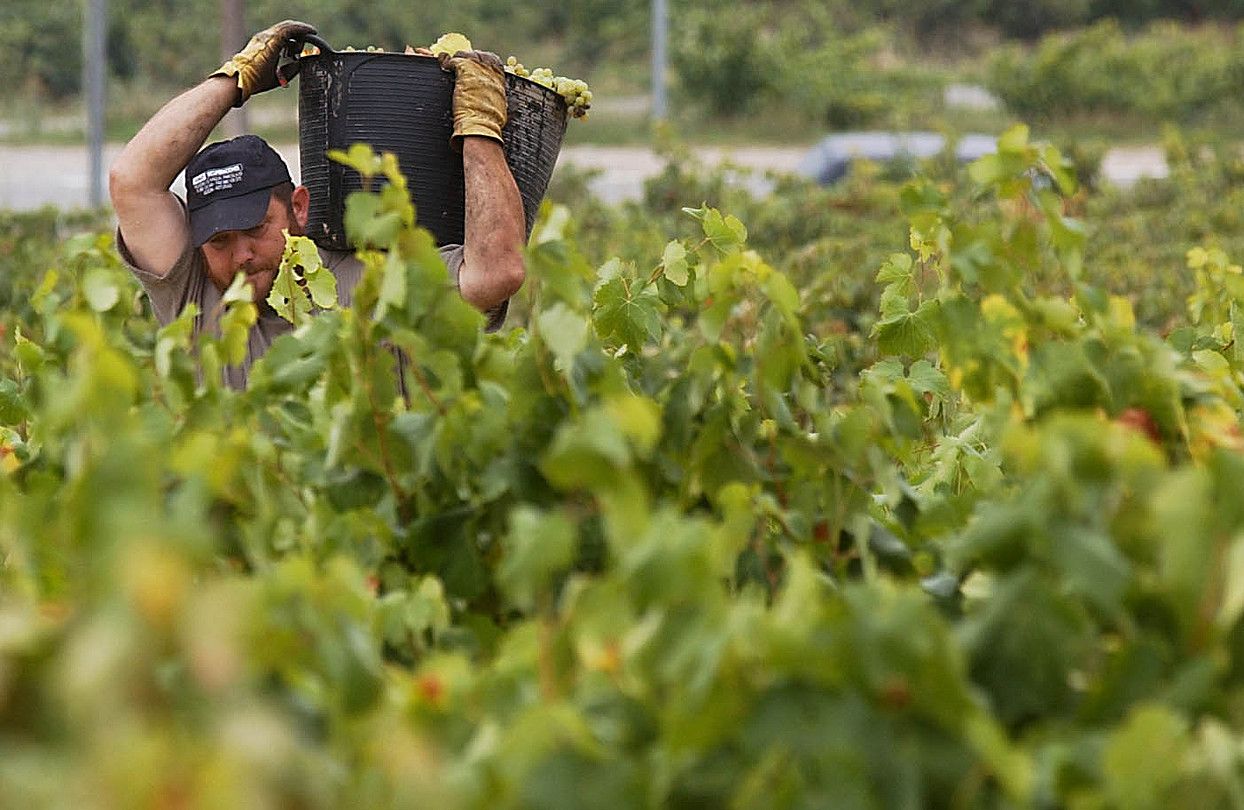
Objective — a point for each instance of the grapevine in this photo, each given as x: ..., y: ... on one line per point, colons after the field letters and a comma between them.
x: 725, y: 522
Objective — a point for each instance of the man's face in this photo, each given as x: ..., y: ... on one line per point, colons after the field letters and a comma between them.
x: 256, y: 251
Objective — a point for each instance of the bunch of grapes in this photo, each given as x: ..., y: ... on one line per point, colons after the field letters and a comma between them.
x: 575, y: 91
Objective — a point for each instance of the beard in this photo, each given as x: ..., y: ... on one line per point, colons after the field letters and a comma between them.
x: 261, y: 283
x: 261, y: 277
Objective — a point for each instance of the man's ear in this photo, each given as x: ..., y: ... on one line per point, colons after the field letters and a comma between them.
x: 300, y: 202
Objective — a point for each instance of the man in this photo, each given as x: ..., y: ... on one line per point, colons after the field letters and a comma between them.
x: 239, y: 198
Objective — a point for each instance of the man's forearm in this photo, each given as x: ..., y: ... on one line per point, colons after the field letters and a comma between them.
x: 165, y: 144
x: 495, y: 226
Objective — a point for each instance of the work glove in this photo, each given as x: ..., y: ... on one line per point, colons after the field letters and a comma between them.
x: 255, y: 66
x: 479, y: 94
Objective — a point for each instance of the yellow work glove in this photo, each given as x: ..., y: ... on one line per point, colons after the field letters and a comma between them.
x: 479, y: 94
x: 255, y: 66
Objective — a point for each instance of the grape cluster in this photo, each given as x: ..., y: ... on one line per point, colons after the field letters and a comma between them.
x: 575, y: 91
x: 449, y: 44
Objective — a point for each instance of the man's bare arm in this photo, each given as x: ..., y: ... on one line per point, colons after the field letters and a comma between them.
x: 492, y: 259
x: 150, y: 216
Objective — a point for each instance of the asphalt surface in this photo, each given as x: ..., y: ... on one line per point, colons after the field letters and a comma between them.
x: 34, y: 176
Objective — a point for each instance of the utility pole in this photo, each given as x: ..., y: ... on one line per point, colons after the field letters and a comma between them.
x: 94, y: 69
x: 232, y: 38
x: 660, y: 30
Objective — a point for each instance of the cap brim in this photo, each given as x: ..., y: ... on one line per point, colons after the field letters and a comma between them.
x: 230, y: 214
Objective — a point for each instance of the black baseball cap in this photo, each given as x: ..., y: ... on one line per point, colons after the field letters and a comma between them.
x: 228, y: 185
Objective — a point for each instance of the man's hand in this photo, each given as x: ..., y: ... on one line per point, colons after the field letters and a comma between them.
x: 479, y: 94
x: 254, y: 66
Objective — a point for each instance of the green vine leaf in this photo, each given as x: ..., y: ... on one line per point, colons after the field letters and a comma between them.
x: 674, y: 263
x: 623, y: 317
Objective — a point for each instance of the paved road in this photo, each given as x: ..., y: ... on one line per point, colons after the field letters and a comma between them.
x: 33, y: 176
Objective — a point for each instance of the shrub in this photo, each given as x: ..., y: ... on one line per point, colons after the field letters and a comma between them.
x: 1165, y: 72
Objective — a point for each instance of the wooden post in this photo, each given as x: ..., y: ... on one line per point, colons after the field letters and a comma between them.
x: 232, y: 38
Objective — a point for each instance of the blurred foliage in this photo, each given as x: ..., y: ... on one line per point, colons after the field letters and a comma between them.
x: 1163, y: 73
x: 1027, y: 19
x: 837, y: 64
x: 736, y: 59
x: 173, y: 43
x: 40, y: 47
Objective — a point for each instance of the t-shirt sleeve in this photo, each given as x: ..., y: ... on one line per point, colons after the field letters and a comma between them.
x: 348, y: 270
x: 452, y: 254
x: 168, y: 293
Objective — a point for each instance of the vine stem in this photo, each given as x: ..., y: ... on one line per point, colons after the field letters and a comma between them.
x: 545, y: 666
x: 551, y: 386
x: 659, y: 270
x: 424, y: 386
x: 378, y: 420
x: 1207, y: 608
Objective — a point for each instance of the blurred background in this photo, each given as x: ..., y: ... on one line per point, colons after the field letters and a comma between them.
x: 777, y: 75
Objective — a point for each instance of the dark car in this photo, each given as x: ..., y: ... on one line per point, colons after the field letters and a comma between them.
x: 831, y: 159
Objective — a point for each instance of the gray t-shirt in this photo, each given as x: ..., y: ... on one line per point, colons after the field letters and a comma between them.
x: 188, y: 282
